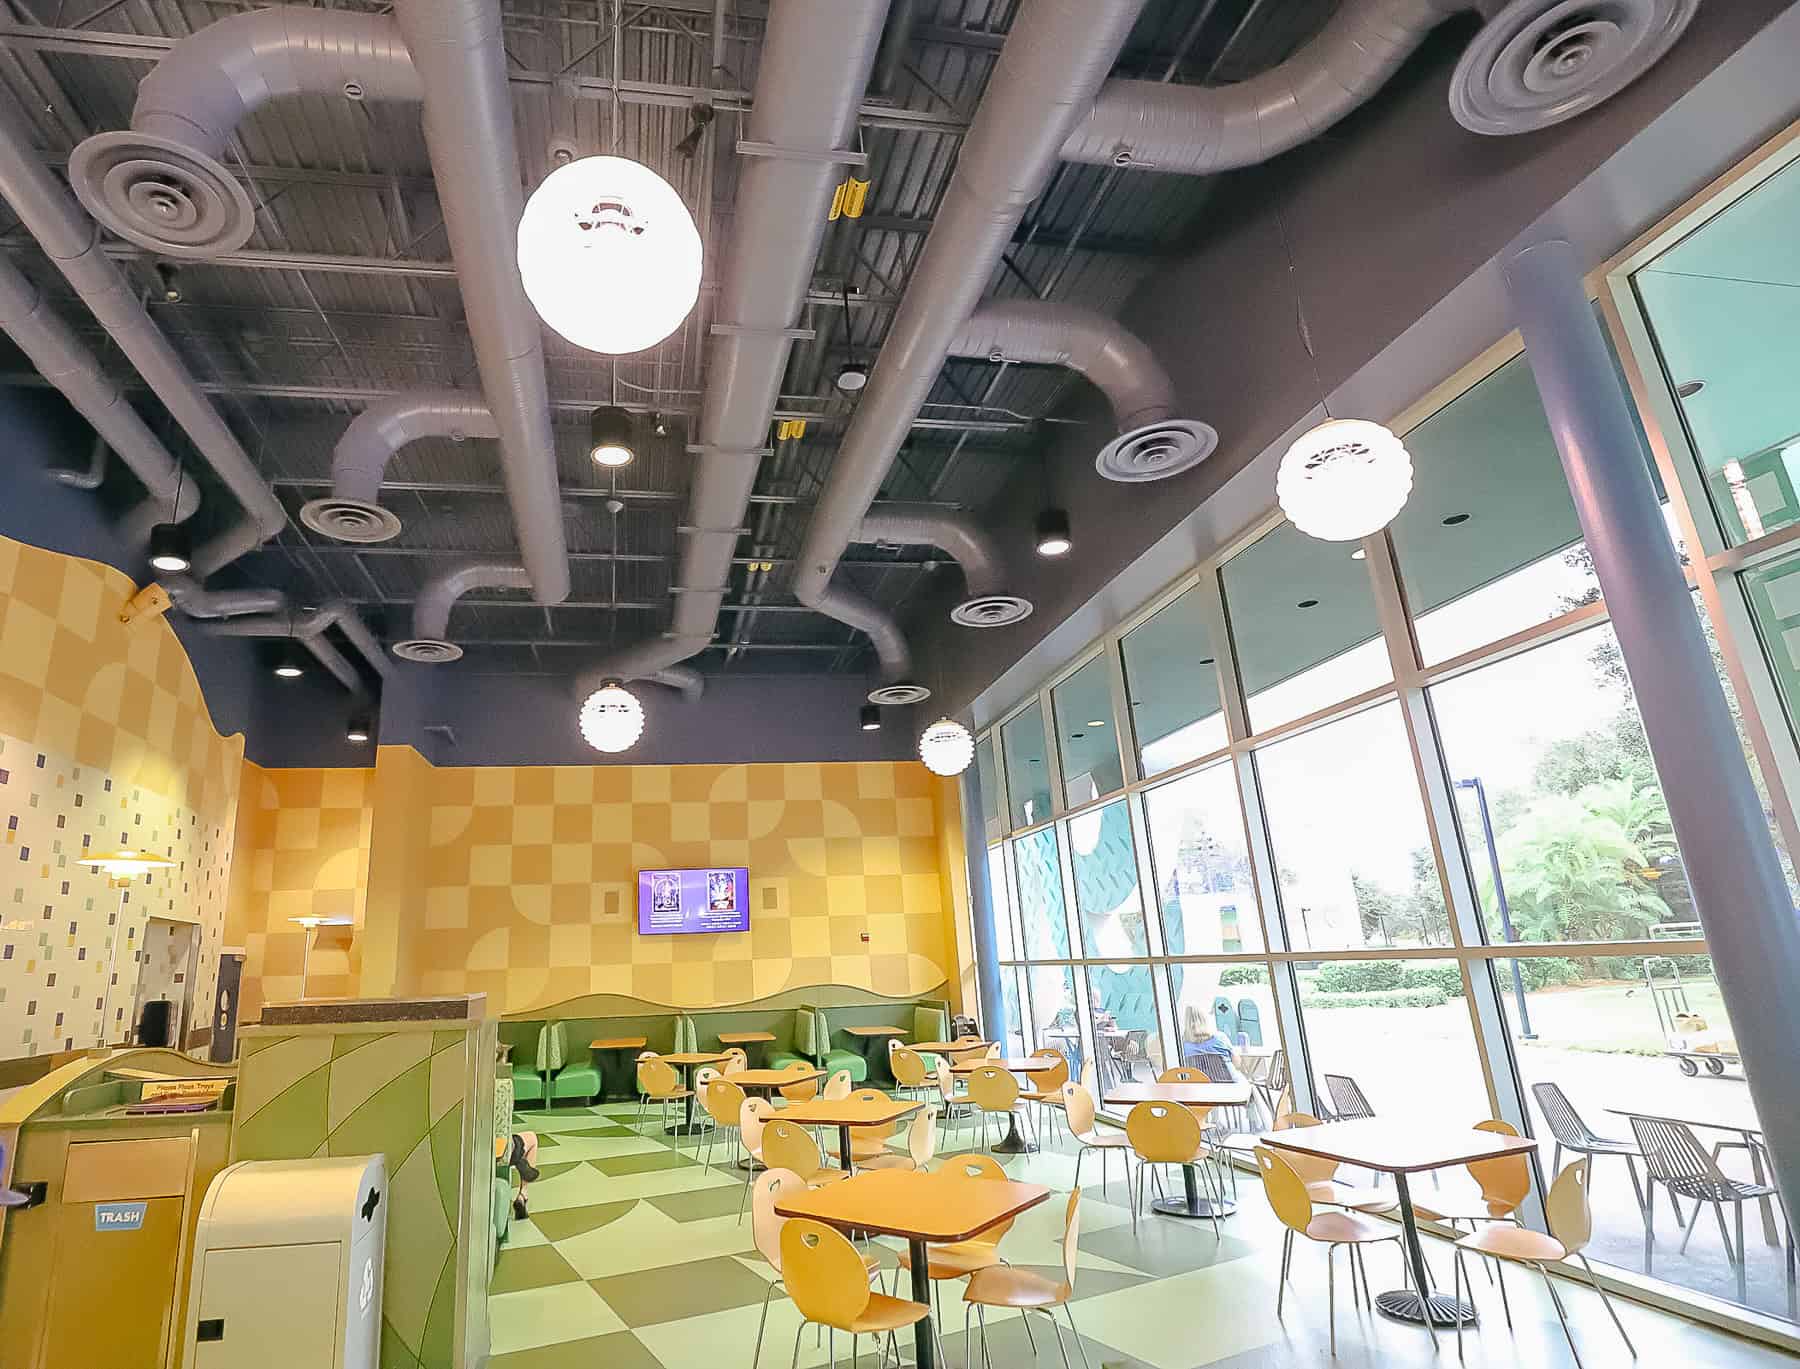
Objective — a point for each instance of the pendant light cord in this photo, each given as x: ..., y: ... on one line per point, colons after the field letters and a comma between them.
x: 1306, y: 341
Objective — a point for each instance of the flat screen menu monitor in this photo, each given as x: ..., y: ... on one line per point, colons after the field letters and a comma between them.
x: 707, y: 900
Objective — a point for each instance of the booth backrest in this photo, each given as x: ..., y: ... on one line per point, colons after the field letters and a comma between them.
x: 806, y: 1033
x: 931, y: 1022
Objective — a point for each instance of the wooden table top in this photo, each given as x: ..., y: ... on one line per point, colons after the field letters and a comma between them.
x: 772, y: 1079
x: 876, y: 1031
x: 917, y: 1205
x: 744, y: 1038
x: 853, y: 1111
x: 1188, y: 1095
x: 695, y: 1057
x: 951, y: 1047
x: 1010, y: 1065
x: 1397, y: 1147
x: 617, y: 1043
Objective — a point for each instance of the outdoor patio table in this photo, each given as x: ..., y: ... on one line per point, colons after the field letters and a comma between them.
x: 1400, y: 1149
x: 1231, y: 1095
x: 1751, y: 1138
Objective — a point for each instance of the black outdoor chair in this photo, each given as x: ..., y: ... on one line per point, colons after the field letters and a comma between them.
x: 1215, y: 1067
x: 1347, y: 1100
x: 1674, y: 1158
x: 1574, y: 1134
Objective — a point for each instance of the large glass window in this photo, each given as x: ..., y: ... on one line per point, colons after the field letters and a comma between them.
x: 1103, y: 862
x: 1303, y: 623
x: 1082, y: 705
x: 1173, y: 686
x: 1027, y: 768
x: 1127, y: 1041
x: 1204, y: 887
x: 1488, y: 542
x: 1012, y: 1038
x: 988, y: 774
x: 1006, y: 937
x: 1352, y: 852
x: 1228, y: 1011
x: 1042, y: 913
x: 1720, y: 308
x: 1055, y: 1022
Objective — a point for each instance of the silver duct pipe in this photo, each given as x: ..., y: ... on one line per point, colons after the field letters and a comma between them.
x: 1050, y: 69
x: 310, y: 627
x: 1198, y: 130
x: 688, y: 681
x: 161, y: 184
x: 91, y: 478
x: 430, y: 643
x: 72, y: 241
x: 815, y: 66
x: 461, y: 58
x: 955, y: 532
x: 65, y: 361
x: 1152, y: 443
x: 352, y: 512
x: 196, y: 602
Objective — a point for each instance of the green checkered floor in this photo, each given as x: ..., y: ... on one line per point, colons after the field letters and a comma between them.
x: 634, y: 1258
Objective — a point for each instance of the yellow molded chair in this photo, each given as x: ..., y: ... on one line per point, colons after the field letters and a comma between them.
x: 1500, y: 1187
x: 804, y: 1091
x: 1182, y: 1074
x: 1046, y: 1085
x: 868, y: 1142
x: 838, y: 1086
x: 829, y: 1282
x: 952, y: 1103
x: 921, y: 1145
x: 1168, y: 1134
x: 737, y: 1060
x: 1571, y: 1223
x: 959, y: 1259
x: 724, y: 1103
x: 1084, y: 1126
x: 1287, y: 1195
x: 658, y: 1083
x: 994, y: 1092
x: 908, y: 1068
x: 766, y: 1226
x: 1003, y: 1286
x: 786, y: 1146
x: 753, y: 1116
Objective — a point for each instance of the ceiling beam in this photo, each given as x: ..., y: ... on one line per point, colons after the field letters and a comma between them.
x: 1023, y: 236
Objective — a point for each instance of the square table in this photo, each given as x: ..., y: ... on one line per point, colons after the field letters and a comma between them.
x: 1207, y: 1095
x: 956, y: 1050
x: 1013, y: 1143
x: 607, y: 1047
x: 765, y: 1082
x: 920, y: 1207
x: 746, y: 1040
x: 865, y: 1109
x: 1400, y: 1149
x: 687, y: 1062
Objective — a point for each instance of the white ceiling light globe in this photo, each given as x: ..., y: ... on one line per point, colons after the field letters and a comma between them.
x: 611, y: 718
x: 1344, y: 480
x: 946, y: 747
x: 609, y: 255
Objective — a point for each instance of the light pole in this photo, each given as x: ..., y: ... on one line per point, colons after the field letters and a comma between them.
x: 1506, y: 927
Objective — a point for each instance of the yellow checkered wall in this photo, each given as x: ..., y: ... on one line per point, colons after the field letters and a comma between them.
x: 105, y: 741
x: 303, y: 851
x: 531, y: 890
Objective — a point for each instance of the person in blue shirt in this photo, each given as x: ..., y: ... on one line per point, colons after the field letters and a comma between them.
x: 1200, y: 1037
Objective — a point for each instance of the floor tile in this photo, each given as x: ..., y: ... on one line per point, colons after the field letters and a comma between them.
x: 532, y: 1266
x: 723, y: 1201
x: 620, y: 1350
x: 543, y: 1316
x: 643, y: 1162
x: 646, y: 1239
x: 564, y: 1223
x: 1178, y: 1322
x: 646, y: 1297
x: 523, y: 1233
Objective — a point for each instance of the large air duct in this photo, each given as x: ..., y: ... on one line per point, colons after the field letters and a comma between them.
x: 955, y: 532
x: 1535, y: 63
x: 72, y: 242
x: 1152, y: 443
x: 352, y: 512
x: 1051, y: 67
x: 430, y: 643
x: 813, y: 72
x: 196, y: 602
x: 162, y: 184
x: 63, y: 360
x: 309, y: 628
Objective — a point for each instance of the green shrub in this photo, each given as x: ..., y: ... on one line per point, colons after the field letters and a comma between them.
x: 1447, y: 979
x: 1429, y: 996
x: 1359, y: 976
x: 1631, y: 967
x: 1542, y: 971
x: 1243, y: 976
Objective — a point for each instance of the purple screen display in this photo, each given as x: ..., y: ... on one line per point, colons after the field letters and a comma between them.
x: 709, y: 900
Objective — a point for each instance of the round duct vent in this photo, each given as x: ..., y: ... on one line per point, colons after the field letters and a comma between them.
x: 895, y: 694
x: 1156, y: 451
x: 1538, y: 62
x: 349, y: 520
x: 991, y: 610
x: 427, y: 651
x: 161, y: 195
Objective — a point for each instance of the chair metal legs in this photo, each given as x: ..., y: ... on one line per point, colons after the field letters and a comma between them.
x: 1594, y: 1281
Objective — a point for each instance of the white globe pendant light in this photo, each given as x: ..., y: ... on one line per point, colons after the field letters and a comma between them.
x: 611, y: 718
x: 609, y: 255
x: 1344, y: 480
x: 946, y: 747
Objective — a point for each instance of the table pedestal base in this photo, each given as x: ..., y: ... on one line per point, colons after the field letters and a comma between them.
x: 1402, y: 1304
x: 1201, y: 1207
x: 1015, y: 1143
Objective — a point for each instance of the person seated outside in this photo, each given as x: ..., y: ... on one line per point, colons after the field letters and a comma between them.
x: 1200, y: 1037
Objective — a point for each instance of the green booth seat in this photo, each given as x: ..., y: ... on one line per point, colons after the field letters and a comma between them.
x: 805, y: 1043
x: 570, y: 1076
x: 832, y: 1060
x: 528, y: 1077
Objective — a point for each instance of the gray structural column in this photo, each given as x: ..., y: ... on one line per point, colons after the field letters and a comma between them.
x: 981, y: 909
x: 1751, y: 927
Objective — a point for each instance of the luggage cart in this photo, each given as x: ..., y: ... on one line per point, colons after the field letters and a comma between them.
x: 1668, y: 994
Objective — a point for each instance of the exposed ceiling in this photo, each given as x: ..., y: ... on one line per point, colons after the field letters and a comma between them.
x: 346, y: 293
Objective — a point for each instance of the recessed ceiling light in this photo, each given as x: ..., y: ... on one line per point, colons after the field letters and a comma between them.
x: 1307, y: 603
x: 609, y: 436
x: 1358, y: 555
x: 170, y: 549
x: 1096, y: 722
x: 1689, y: 388
x: 870, y: 718
x: 1456, y: 519
x: 851, y: 379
